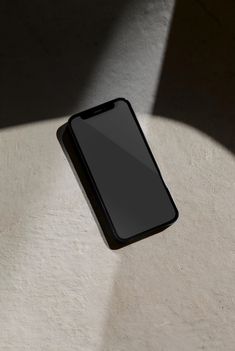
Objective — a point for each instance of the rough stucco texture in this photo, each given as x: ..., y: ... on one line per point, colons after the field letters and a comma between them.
x: 62, y: 289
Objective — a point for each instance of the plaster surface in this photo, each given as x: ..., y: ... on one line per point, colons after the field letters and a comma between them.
x: 61, y: 288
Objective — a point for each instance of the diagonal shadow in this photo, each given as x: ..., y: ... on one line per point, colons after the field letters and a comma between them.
x: 48, y: 53
x: 197, y: 83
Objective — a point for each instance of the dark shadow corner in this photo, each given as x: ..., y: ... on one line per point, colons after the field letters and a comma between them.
x: 48, y: 53
x: 197, y: 83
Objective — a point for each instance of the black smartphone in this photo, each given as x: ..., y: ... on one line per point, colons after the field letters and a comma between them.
x: 119, y: 173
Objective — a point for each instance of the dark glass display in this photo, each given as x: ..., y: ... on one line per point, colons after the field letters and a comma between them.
x: 123, y: 169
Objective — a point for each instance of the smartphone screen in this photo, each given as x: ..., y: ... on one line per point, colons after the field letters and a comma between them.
x: 123, y: 169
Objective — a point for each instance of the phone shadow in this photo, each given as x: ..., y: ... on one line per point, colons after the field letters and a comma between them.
x: 197, y: 81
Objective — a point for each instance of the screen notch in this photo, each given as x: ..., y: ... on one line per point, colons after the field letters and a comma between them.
x: 97, y: 110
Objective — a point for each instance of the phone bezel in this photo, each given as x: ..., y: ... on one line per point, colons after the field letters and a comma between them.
x: 99, y: 109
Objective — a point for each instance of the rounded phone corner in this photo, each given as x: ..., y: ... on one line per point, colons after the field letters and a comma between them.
x: 175, y: 217
x: 119, y: 239
x: 122, y: 99
x: 69, y: 123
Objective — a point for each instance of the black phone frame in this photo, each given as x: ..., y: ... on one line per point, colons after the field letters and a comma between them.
x: 88, y: 182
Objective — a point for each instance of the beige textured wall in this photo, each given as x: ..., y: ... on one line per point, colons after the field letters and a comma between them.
x: 61, y: 288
